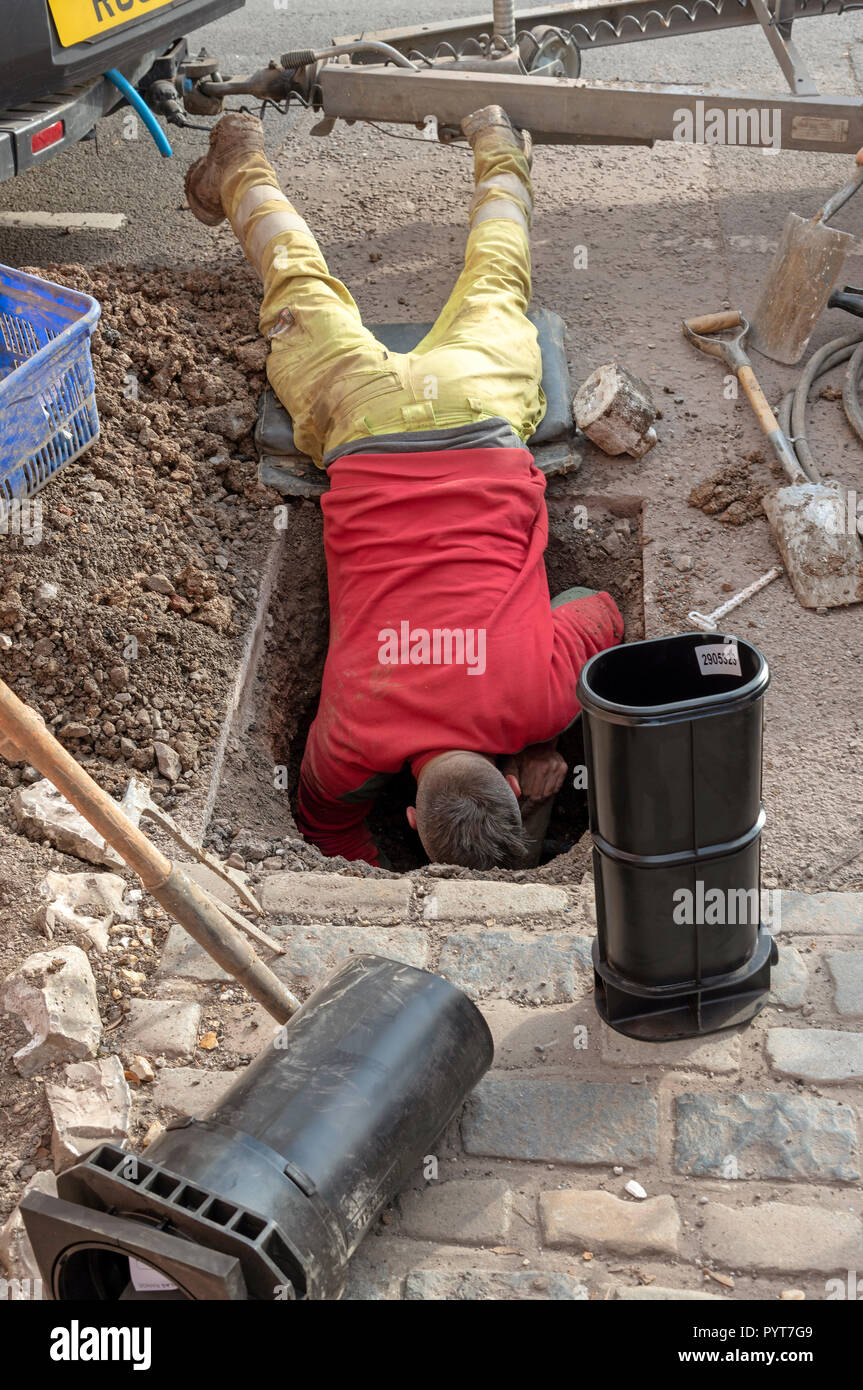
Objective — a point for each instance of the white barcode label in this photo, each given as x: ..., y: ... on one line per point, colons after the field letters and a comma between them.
x: 719, y: 659
x: 145, y: 1279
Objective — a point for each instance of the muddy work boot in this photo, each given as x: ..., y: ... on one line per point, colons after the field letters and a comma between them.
x: 491, y: 125
x: 232, y: 139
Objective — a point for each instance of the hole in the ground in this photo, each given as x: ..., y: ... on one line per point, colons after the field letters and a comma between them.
x: 593, y: 541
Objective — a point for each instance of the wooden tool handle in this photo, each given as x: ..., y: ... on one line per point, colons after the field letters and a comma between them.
x: 21, y: 729
x: 770, y: 425
x: 757, y: 399
x: 714, y: 323
x: 23, y: 733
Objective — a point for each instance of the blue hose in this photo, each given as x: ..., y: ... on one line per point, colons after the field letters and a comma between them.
x: 136, y: 101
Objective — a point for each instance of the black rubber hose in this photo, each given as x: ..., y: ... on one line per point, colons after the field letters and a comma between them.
x: 792, y: 411
x: 850, y: 392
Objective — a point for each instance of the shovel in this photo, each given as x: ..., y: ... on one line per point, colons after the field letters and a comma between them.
x: 806, y: 266
x: 23, y: 736
x: 821, y: 554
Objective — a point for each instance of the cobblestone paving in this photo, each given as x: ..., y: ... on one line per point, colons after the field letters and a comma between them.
x: 746, y: 1143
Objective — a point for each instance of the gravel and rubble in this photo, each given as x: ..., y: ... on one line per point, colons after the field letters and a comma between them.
x: 125, y: 619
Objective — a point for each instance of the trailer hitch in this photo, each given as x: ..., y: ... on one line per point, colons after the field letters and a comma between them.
x: 544, y: 51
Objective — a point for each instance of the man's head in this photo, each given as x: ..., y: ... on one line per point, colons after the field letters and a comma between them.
x: 467, y: 813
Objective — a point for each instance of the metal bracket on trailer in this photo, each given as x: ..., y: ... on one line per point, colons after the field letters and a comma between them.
x: 570, y: 111
x: 465, y: 63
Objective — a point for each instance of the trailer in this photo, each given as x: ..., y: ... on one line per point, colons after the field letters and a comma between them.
x: 530, y: 61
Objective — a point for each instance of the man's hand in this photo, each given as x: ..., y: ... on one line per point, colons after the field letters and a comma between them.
x: 538, y: 772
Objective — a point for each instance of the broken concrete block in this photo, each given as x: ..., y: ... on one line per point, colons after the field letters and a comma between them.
x: 44, y: 814
x: 154, y: 1129
x: 16, y: 1252
x: 93, y: 1107
x: 167, y: 760
x: 135, y: 798
x: 141, y: 1070
x: 162, y: 1027
x: 616, y: 411
x: 83, y: 906
x: 54, y: 995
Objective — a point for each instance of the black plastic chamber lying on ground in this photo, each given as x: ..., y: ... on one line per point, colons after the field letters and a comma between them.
x: 673, y: 739
x: 270, y: 1194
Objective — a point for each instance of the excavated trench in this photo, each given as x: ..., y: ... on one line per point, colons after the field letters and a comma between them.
x: 604, y: 553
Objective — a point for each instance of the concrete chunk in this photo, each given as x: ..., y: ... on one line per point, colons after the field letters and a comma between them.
x: 54, y: 995
x: 82, y: 907
x: 600, y: 1221
x: 92, y: 1107
x: 16, y: 1252
x: 44, y: 814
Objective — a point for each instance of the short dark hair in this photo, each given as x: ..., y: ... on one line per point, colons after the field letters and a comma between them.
x: 467, y: 814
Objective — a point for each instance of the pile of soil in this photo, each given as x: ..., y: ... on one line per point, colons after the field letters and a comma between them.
x: 125, y: 619
x: 124, y: 624
x: 733, y: 494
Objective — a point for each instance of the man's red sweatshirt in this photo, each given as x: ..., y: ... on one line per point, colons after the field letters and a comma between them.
x: 442, y: 633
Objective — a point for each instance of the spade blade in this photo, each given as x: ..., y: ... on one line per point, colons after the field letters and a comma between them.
x: 806, y: 266
x: 821, y: 552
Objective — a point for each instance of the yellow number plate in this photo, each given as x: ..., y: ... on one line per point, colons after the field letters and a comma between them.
x: 77, y: 20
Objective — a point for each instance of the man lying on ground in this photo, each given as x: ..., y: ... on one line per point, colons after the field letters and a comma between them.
x: 446, y: 653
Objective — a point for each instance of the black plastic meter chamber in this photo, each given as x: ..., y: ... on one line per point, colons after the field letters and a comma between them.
x: 673, y: 739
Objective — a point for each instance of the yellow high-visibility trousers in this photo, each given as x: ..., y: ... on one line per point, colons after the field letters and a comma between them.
x: 337, y: 381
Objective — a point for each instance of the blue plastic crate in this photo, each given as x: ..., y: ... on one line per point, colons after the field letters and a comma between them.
x: 48, y: 410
